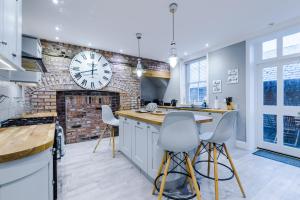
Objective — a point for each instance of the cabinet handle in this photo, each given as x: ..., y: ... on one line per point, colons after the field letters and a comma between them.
x: 138, y: 123
x: 14, y: 55
x: 209, y: 113
x: 4, y: 43
x: 125, y: 119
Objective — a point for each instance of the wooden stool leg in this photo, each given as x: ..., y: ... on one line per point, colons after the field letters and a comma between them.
x: 191, y: 170
x: 234, y: 171
x: 208, y: 158
x: 113, y: 140
x: 164, y: 178
x: 99, y: 140
x: 160, y: 170
x: 197, y: 154
x: 216, y: 173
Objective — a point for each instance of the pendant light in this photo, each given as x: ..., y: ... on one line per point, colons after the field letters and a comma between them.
x: 173, y: 59
x: 139, y: 68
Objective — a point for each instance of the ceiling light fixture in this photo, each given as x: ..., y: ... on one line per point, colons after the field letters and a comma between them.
x: 56, y: 38
x: 139, y: 68
x: 57, y: 28
x: 206, y: 44
x: 121, y: 50
x: 173, y: 59
x: 55, y: 2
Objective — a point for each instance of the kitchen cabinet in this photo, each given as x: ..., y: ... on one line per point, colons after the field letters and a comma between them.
x: 139, y: 144
x: 125, y: 133
x: 155, y: 153
x: 11, y: 31
x: 28, y: 178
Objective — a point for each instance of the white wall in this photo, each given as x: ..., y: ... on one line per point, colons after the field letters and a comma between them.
x: 11, y: 106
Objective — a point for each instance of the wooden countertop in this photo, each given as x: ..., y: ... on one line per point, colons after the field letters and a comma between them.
x: 155, y: 119
x: 211, y: 110
x: 22, y: 141
x: 37, y: 115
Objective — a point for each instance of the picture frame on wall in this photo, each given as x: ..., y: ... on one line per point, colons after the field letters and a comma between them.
x: 217, y: 86
x: 233, y: 76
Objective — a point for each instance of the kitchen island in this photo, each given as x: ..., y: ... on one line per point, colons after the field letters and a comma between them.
x: 139, y: 133
x: 26, y: 160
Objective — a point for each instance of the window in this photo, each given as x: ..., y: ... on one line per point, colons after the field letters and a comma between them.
x: 291, y: 44
x: 269, y: 49
x: 197, y: 81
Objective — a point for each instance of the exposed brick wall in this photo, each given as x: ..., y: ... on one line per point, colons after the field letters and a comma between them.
x: 57, y: 58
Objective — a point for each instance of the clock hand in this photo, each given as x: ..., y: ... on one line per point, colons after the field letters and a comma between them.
x: 93, y: 69
x: 88, y: 71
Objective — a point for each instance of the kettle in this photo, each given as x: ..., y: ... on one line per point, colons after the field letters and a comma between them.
x: 173, y: 102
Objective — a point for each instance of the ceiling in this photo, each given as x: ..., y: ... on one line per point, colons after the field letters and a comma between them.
x: 112, y: 24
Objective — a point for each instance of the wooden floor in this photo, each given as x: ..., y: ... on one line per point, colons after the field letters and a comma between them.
x: 87, y: 176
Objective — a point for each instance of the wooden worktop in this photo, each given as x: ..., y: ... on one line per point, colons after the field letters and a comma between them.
x: 211, y: 110
x: 22, y: 141
x: 37, y: 115
x: 155, y: 119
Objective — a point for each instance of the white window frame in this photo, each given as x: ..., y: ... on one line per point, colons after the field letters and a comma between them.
x: 187, y: 83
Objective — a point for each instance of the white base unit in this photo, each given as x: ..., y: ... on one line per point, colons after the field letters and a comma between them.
x: 138, y: 141
x: 28, y: 178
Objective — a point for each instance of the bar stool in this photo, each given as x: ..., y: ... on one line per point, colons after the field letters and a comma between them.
x: 215, y: 141
x: 111, y: 122
x: 178, y: 136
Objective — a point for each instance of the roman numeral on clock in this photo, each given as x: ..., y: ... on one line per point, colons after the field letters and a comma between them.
x: 106, y: 71
x: 100, y: 83
x: 78, y: 76
x: 75, y: 68
x: 105, y: 78
x: 84, y: 82
x: 92, y: 55
x: 99, y: 58
x: 105, y: 64
x: 83, y: 56
x: 92, y: 85
x: 78, y: 61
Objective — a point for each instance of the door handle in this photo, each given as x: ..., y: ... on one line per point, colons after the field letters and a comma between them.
x: 14, y: 55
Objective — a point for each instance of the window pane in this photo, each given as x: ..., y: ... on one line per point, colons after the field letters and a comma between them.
x: 193, y: 91
x: 270, y: 85
x: 291, y: 77
x: 269, y: 49
x: 270, y: 128
x: 291, y: 44
x: 194, y: 72
x: 202, y: 93
x: 291, y: 131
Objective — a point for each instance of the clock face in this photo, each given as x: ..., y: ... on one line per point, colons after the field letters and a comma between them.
x: 90, y: 70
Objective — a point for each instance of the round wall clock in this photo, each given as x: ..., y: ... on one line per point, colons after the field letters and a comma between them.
x: 90, y: 70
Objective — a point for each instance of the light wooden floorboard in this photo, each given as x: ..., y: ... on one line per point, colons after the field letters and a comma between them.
x: 84, y: 175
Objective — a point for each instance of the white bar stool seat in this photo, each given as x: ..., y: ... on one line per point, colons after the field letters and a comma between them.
x: 215, y: 141
x: 178, y: 136
x: 111, y: 122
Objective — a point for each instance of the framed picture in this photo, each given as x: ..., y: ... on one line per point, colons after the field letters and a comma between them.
x: 233, y: 76
x: 217, y: 86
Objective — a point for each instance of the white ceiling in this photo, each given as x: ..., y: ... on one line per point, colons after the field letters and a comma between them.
x: 112, y: 24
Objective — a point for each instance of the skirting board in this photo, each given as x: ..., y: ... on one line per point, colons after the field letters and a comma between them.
x: 241, y: 145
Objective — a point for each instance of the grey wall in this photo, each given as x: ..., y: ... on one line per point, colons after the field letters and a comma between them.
x: 173, y: 89
x: 220, y: 62
x: 153, y: 88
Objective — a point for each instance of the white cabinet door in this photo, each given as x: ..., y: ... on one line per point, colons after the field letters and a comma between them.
x: 127, y: 132
x: 10, y: 31
x: 121, y: 133
x: 155, y: 154
x: 139, y: 144
x: 18, y: 51
x: 1, y: 24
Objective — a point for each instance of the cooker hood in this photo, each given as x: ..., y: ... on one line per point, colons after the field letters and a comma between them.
x: 32, y: 54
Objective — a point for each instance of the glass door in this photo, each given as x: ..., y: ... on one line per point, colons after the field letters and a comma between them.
x: 279, y: 107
